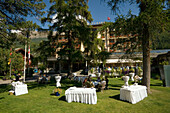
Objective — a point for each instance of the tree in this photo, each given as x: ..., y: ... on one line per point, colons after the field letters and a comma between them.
x: 13, y: 14
x: 152, y: 18
x: 161, y: 41
x: 7, y: 58
x: 69, y: 17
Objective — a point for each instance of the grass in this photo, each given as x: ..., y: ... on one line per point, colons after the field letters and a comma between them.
x: 41, y: 99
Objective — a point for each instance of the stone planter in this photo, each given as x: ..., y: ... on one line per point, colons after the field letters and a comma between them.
x: 126, y: 79
x: 132, y: 76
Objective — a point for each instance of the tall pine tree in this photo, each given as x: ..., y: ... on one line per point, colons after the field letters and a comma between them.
x: 69, y: 17
x: 153, y: 17
x: 12, y: 14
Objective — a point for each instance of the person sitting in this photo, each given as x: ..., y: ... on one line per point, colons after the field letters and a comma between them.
x: 137, y: 78
x: 89, y: 84
x: 17, y: 77
x: 39, y: 79
x: 44, y: 79
x: 98, y: 79
x: 102, y: 85
x: 85, y: 82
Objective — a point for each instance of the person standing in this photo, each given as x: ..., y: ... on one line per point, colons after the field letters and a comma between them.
x: 107, y: 81
x: 17, y: 77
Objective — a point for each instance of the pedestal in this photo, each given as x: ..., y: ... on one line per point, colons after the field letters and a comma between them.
x: 58, y: 78
x: 132, y: 76
x: 126, y: 79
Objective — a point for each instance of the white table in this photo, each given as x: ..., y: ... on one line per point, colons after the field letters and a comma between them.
x: 19, y: 88
x: 83, y: 95
x: 133, y: 93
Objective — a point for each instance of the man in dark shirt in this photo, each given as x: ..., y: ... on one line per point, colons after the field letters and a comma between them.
x: 107, y: 81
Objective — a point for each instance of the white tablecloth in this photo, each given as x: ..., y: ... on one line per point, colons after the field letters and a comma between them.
x: 83, y: 95
x: 133, y: 93
x: 19, y: 88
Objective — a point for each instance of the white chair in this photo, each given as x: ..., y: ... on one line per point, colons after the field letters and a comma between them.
x: 58, y: 78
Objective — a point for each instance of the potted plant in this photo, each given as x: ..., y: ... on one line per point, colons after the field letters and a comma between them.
x: 140, y: 71
x: 92, y: 70
x: 57, y: 91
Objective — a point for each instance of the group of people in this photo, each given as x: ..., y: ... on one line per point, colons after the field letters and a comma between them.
x: 125, y: 70
x: 101, y: 83
x: 88, y: 83
x: 42, y: 79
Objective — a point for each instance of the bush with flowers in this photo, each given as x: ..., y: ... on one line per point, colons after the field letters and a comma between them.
x: 57, y: 91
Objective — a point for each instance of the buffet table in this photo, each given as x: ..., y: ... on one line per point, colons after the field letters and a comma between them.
x: 133, y: 93
x: 83, y: 95
x: 19, y: 88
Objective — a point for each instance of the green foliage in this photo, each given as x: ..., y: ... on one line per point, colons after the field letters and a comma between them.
x: 132, y: 69
x: 29, y: 72
x: 42, y: 67
x: 162, y: 40
x: 72, y: 21
x: 164, y: 63
x: 119, y: 70
x: 16, y: 61
x: 103, y: 55
x: 92, y: 70
x: 140, y: 70
x: 153, y: 19
x: 13, y: 15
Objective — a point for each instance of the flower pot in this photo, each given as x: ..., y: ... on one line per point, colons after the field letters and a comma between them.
x: 57, y: 94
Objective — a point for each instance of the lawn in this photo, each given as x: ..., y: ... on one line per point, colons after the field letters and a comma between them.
x: 41, y: 99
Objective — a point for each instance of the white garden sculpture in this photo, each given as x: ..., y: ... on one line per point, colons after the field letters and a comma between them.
x: 126, y: 79
x: 58, y: 78
x: 132, y: 76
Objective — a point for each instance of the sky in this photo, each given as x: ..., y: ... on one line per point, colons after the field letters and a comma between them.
x: 99, y: 11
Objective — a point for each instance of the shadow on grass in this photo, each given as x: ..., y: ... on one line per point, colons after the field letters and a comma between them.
x: 2, y: 98
x: 52, y: 94
x: 35, y: 85
x: 63, y: 98
x: 65, y: 84
x: 4, y: 88
x: 114, y: 88
x: 117, y: 97
x: 116, y: 85
x: 156, y: 84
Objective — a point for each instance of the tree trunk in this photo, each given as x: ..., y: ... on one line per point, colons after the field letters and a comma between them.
x: 70, y: 64
x: 146, y: 49
x: 146, y: 58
